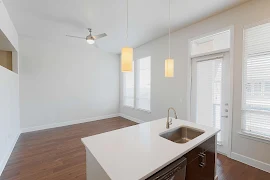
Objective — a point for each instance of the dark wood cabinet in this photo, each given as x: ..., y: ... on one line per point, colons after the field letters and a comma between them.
x: 199, y: 164
x: 201, y: 161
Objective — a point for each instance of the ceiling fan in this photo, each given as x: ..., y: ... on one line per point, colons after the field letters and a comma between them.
x: 90, y: 38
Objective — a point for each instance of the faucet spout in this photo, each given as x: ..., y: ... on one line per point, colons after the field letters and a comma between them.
x: 169, y: 121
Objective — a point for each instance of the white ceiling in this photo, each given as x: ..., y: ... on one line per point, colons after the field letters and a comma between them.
x: 53, y: 19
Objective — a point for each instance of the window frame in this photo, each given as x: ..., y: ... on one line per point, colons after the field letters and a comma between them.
x: 243, y: 132
x: 136, y: 74
x: 124, y: 87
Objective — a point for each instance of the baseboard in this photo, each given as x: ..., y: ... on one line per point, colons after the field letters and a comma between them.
x: 5, y: 160
x: 131, y: 118
x: 55, y: 125
x: 251, y: 162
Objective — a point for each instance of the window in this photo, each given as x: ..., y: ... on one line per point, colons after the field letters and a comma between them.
x: 256, y: 81
x: 215, y: 42
x: 128, y: 88
x: 142, y: 85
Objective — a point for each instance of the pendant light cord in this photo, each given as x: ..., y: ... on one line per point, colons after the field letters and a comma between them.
x: 169, y: 29
x: 127, y: 24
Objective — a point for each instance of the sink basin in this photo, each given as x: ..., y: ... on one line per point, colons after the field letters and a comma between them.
x: 182, y: 134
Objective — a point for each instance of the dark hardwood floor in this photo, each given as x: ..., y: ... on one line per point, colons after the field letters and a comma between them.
x: 228, y: 169
x: 58, y: 154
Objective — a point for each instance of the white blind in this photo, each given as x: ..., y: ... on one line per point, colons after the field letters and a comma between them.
x: 128, y: 88
x: 143, y: 83
x: 208, y: 98
x: 256, y: 81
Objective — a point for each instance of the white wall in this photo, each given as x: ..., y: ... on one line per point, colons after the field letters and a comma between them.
x: 65, y: 81
x: 9, y: 113
x: 168, y: 92
x: 9, y: 92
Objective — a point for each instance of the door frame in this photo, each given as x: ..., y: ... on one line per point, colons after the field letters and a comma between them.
x: 189, y: 78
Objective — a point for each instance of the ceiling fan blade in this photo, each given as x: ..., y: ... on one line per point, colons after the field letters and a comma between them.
x: 99, y: 36
x: 76, y: 37
x: 96, y: 46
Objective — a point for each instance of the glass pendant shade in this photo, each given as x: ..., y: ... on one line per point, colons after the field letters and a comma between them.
x: 90, y: 41
x: 169, y: 68
x: 126, y: 59
x: 169, y: 63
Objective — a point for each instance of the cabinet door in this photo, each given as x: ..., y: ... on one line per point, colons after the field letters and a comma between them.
x: 202, y: 168
x: 194, y: 153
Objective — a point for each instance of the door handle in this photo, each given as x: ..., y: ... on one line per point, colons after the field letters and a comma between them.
x: 225, y: 116
x: 202, y: 163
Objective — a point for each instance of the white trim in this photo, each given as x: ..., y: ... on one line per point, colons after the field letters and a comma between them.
x: 209, y: 57
x: 211, y: 53
x: 243, y: 64
x: 224, y: 154
x: 143, y: 110
x: 137, y: 109
x: 5, y: 160
x: 67, y: 123
x: 127, y: 106
x: 230, y: 108
x: 251, y: 162
x: 131, y: 118
x: 189, y: 79
x: 254, y: 137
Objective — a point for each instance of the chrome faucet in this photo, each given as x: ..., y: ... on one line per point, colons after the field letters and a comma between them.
x: 169, y: 121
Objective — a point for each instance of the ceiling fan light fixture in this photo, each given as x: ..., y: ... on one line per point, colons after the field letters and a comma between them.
x: 90, y: 40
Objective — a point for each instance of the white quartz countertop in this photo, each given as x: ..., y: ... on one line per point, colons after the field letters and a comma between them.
x: 137, y: 152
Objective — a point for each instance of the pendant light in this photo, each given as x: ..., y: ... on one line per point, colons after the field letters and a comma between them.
x: 169, y: 63
x: 127, y: 53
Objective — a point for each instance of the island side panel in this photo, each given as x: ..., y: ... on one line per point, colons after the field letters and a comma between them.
x: 216, y: 176
x: 93, y: 169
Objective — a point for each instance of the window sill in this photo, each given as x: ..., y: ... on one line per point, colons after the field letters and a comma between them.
x: 131, y: 107
x: 254, y: 137
x: 138, y: 109
x: 143, y: 110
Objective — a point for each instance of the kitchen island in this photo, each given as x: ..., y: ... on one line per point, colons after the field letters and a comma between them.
x: 140, y: 151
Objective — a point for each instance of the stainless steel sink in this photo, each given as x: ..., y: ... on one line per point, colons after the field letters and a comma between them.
x: 182, y: 134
